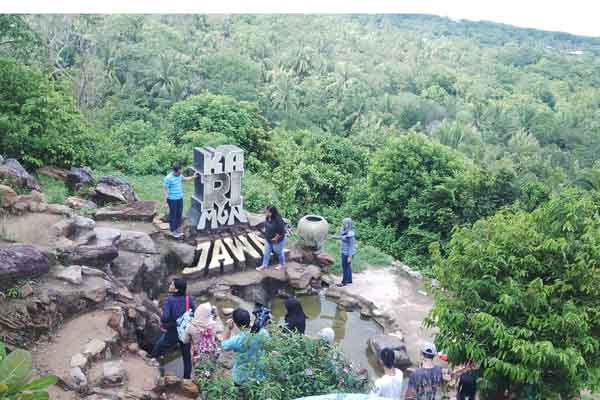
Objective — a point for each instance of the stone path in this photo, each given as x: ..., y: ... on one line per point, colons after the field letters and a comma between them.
x: 398, y: 296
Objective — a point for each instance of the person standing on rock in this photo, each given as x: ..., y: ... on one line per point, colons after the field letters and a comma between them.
x: 389, y: 386
x: 348, y: 240
x: 426, y: 382
x: 275, y: 238
x: 173, y: 189
x: 175, y: 306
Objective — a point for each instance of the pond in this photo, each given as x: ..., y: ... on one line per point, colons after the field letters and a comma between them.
x: 351, y: 330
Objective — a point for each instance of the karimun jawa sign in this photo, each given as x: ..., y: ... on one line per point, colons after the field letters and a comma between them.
x: 217, y: 212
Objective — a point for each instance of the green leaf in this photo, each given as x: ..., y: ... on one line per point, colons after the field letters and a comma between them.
x: 16, y: 368
x: 42, y: 383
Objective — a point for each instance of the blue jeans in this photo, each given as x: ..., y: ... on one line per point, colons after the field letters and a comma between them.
x: 175, y: 213
x: 277, y: 248
x: 347, y: 270
x: 166, y: 342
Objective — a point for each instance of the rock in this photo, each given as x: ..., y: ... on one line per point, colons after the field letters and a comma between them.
x: 415, y: 275
x: 300, y: 276
x: 137, y: 242
x: 87, y: 271
x: 8, y: 196
x: 25, y: 291
x: 324, y: 260
x: 142, y: 353
x: 71, y: 274
x: 394, y: 342
x: 255, y: 220
x: 113, y: 373
x: 53, y: 172
x: 183, y: 253
x: 81, y: 226
x: 38, y: 207
x: 133, y: 347
x: 59, y: 209
x: 94, y: 348
x: 20, y: 261
x: 107, y: 236
x: 79, y: 361
x: 111, y: 189
x: 79, y: 378
x: 137, y: 211
x: 189, y: 389
x: 116, y: 321
x: 12, y: 171
x: 90, y: 255
x: 77, y: 178
x: 34, y: 202
x: 78, y: 203
x: 347, y: 302
x: 96, y: 289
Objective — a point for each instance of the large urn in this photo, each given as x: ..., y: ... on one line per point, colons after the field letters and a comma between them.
x: 313, y: 230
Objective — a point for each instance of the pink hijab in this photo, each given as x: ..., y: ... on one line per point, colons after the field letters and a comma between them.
x: 203, y: 320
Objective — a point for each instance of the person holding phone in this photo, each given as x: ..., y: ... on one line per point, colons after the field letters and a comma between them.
x: 348, y: 240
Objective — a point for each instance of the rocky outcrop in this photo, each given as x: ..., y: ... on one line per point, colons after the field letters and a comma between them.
x: 300, y: 276
x: 8, y: 196
x: 137, y: 242
x: 78, y: 203
x: 53, y: 172
x: 111, y: 189
x: 21, y: 261
x: 77, y: 178
x: 12, y: 171
x: 70, y: 274
x: 34, y: 202
x: 59, y: 209
x: 89, y: 255
x: 107, y: 236
x: 394, y: 342
x: 137, y: 211
x: 182, y: 253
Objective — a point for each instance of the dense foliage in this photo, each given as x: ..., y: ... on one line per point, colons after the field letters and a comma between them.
x: 293, y: 365
x: 523, y: 298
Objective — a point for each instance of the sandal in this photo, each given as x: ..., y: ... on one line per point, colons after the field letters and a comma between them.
x: 261, y: 269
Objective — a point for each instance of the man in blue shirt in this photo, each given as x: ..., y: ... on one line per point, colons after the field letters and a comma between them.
x: 245, y: 345
x: 174, y: 198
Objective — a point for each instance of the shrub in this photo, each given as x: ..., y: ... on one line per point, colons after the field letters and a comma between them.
x: 294, y: 366
x: 15, y: 377
x: 38, y: 120
x: 520, y: 297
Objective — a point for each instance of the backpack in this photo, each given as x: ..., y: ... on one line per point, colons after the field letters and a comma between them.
x: 184, y: 320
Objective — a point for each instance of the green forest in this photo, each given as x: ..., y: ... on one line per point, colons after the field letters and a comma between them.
x: 468, y: 150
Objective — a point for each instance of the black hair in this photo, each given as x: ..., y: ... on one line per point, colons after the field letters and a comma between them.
x: 241, y: 317
x: 275, y: 216
x: 180, y: 285
x: 176, y: 167
x: 387, y: 357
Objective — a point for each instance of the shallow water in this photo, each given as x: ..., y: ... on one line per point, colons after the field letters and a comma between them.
x: 351, y: 331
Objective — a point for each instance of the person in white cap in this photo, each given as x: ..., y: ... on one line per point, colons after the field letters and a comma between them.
x: 426, y: 382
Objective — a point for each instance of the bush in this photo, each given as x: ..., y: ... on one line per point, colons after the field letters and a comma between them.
x: 294, y: 366
x: 15, y: 377
x: 520, y: 297
x: 39, y: 124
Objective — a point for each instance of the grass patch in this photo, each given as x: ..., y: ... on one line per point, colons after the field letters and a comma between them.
x: 366, y: 256
x: 54, y: 189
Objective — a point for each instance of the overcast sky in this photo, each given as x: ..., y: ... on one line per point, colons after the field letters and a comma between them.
x: 580, y: 17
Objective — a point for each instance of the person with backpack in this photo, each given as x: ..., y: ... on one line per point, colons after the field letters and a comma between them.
x: 177, y: 305
x: 275, y: 238
x: 348, y: 240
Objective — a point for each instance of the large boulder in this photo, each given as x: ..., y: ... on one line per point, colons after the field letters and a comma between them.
x: 300, y: 276
x: 70, y: 274
x: 8, y: 196
x: 78, y: 178
x: 53, y: 172
x: 111, y: 189
x: 89, y: 255
x: 20, y: 261
x: 107, y: 236
x: 144, y: 210
x: 182, y: 253
x: 59, y: 209
x: 394, y: 342
x: 137, y: 242
x: 34, y: 202
x: 12, y: 171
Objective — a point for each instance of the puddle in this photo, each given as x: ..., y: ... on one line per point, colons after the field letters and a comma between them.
x: 351, y: 331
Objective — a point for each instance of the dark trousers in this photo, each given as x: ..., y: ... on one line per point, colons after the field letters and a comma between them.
x: 166, y: 342
x: 175, y: 213
x: 347, y: 270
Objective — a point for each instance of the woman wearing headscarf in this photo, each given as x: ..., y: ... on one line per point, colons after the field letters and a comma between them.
x: 201, y: 333
x: 295, y: 319
x: 348, y: 240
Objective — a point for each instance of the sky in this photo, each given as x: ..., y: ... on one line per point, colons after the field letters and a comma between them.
x: 581, y: 17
